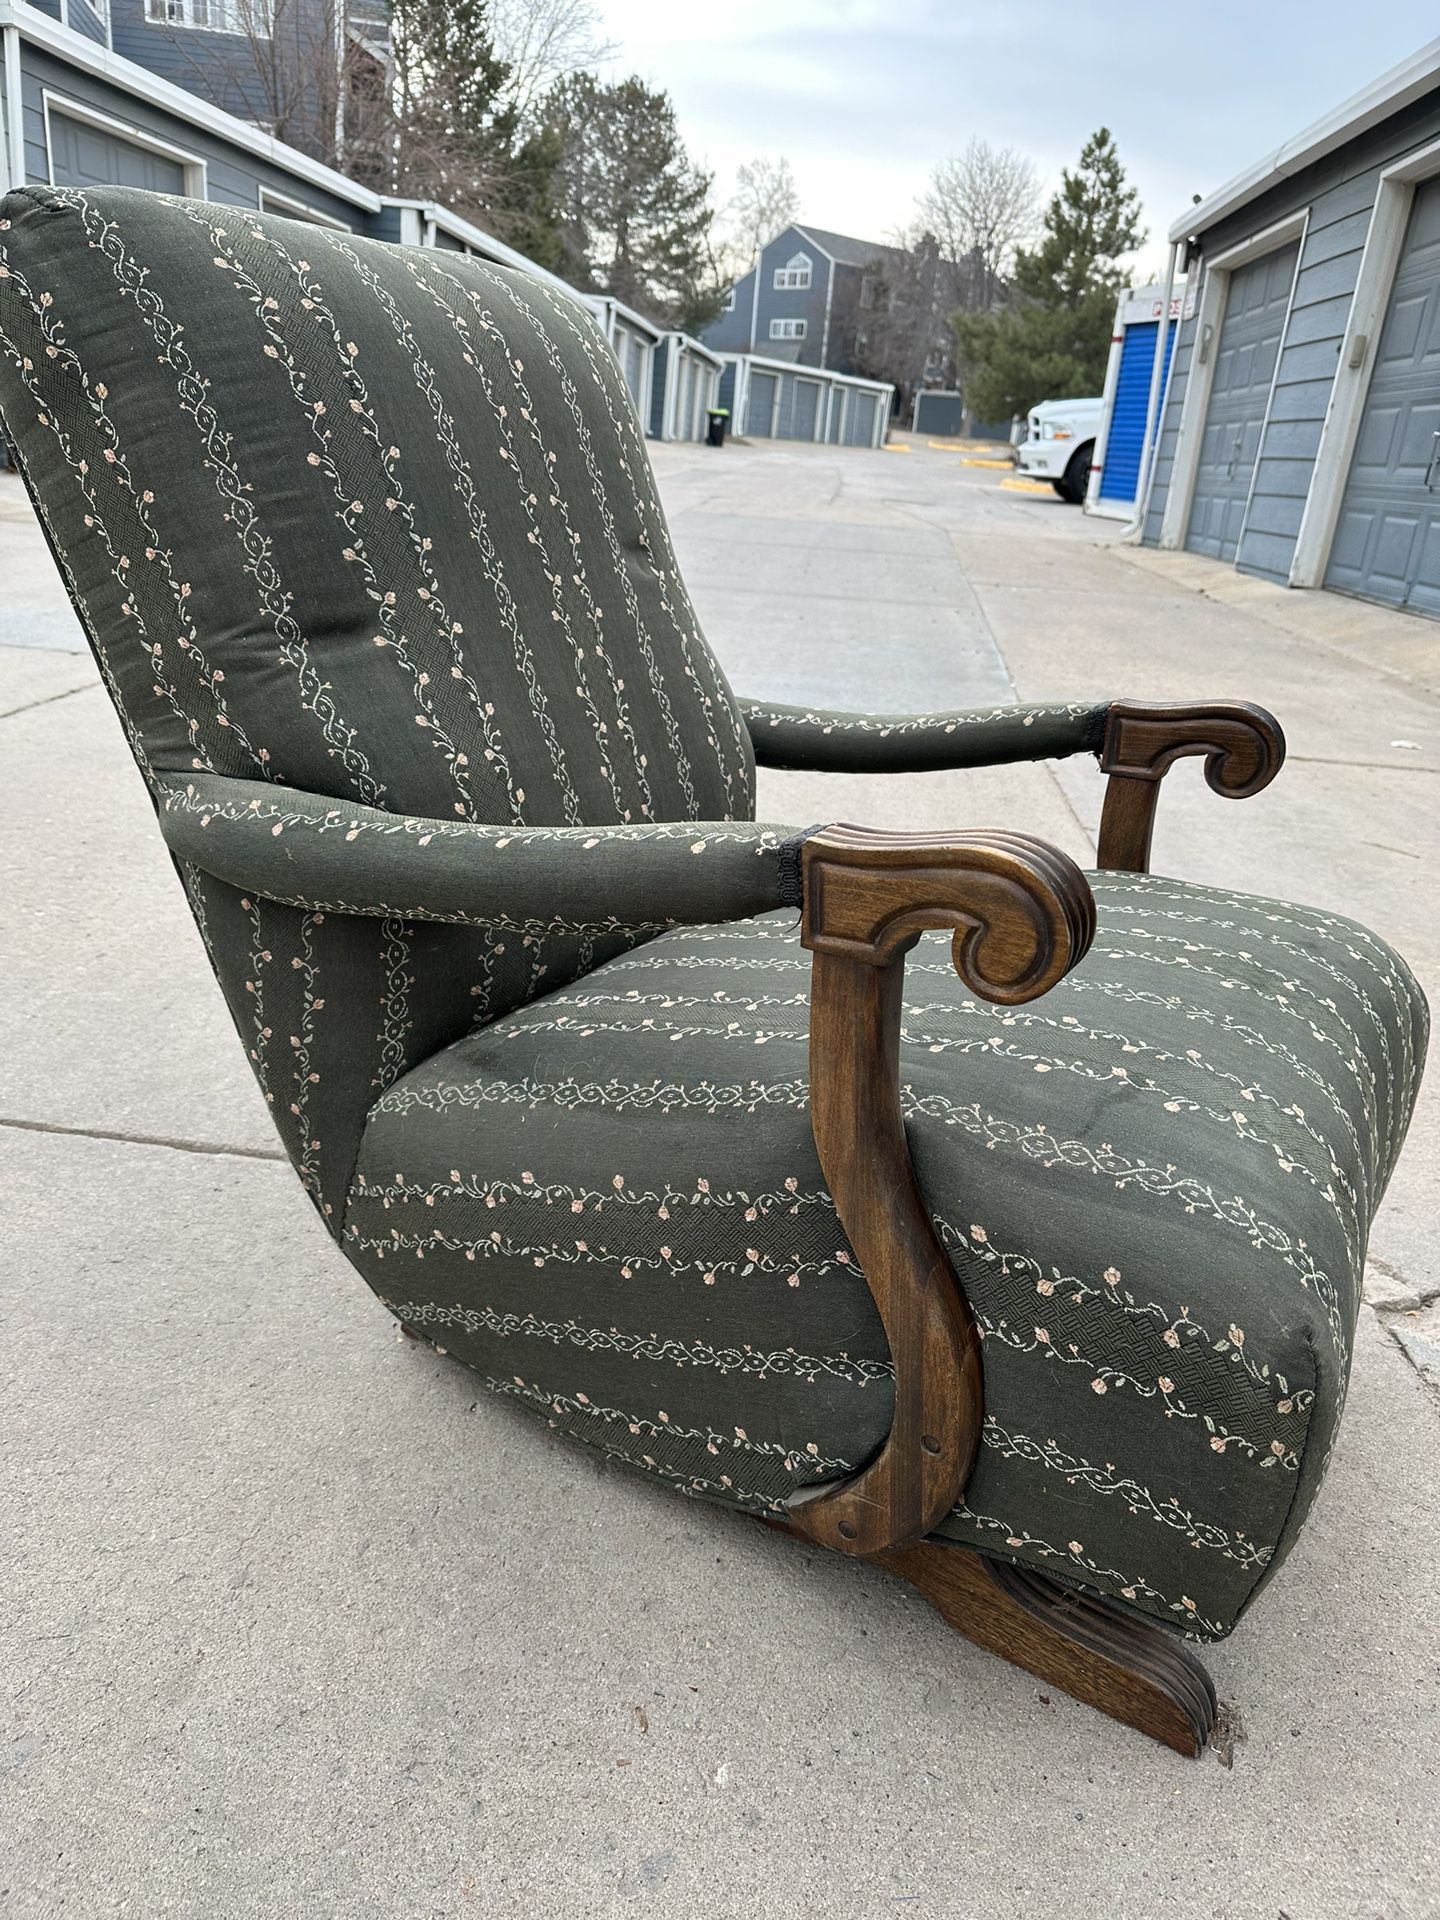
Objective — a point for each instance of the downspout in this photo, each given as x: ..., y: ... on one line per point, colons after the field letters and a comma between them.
x: 1159, y: 377
x: 825, y: 329
x: 14, y: 158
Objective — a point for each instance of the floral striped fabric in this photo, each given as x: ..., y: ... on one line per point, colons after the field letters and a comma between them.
x: 367, y: 546
x: 378, y: 524
x: 1155, y: 1184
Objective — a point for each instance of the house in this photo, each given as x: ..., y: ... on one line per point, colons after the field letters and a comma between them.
x: 1300, y: 431
x: 828, y: 300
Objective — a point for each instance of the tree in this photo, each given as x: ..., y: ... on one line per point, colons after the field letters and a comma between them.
x: 902, y: 329
x: 287, y: 64
x: 981, y: 205
x: 543, y: 42
x: 764, y: 203
x: 633, y: 211
x: 1052, y: 341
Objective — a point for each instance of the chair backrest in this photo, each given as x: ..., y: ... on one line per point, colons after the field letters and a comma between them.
x: 373, y: 521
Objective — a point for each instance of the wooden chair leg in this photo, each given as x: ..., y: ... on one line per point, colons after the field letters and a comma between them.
x: 1132, y: 1671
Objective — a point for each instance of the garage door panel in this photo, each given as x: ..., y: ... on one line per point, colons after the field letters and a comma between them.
x: 1403, y: 330
x: 86, y: 156
x: 1256, y: 304
x: 759, y: 408
x: 1387, y: 542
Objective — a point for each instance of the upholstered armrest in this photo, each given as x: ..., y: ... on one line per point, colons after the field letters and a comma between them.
x: 816, y: 741
x: 306, y: 850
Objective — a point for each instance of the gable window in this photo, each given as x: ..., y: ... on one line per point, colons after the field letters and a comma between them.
x: 795, y: 274
x: 787, y: 329
x: 729, y: 302
x: 213, y: 16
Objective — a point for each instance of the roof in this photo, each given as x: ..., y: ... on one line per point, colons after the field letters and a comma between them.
x: 1388, y: 95
x: 843, y: 247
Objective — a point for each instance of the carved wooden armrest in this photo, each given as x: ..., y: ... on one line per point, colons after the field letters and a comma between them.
x: 1244, y: 750
x: 1022, y: 915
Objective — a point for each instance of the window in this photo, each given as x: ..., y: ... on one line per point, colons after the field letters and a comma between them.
x: 787, y: 329
x: 729, y: 302
x: 794, y: 274
x: 212, y: 16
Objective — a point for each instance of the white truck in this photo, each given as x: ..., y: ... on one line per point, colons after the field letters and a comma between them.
x: 1059, y: 445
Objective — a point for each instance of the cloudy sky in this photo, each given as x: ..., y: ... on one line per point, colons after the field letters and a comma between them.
x: 863, y: 96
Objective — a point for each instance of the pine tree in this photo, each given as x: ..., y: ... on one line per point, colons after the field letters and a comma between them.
x: 633, y: 211
x: 1052, y: 341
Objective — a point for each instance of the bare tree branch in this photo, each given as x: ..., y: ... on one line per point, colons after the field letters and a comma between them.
x: 543, y: 42
x: 764, y: 203
x: 982, y: 205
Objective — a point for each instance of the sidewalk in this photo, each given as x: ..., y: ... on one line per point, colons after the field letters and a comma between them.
x: 298, y: 1625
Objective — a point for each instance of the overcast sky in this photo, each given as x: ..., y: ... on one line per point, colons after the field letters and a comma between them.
x: 863, y: 96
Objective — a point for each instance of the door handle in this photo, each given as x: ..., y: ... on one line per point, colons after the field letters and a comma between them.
x: 1239, y: 444
x: 1431, y: 470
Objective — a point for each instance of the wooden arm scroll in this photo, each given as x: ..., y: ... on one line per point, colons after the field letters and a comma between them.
x: 1244, y: 750
x: 1022, y: 915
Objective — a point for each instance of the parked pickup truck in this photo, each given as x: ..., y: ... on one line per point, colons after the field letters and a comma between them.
x: 1060, y: 444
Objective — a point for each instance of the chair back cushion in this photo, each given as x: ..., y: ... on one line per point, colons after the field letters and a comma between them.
x: 369, y: 520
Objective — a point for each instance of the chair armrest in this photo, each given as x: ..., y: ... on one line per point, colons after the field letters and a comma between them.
x: 307, y: 850
x: 1022, y: 915
x: 816, y: 741
x: 1244, y: 750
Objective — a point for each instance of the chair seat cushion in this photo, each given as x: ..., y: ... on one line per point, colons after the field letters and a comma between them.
x: 1155, y: 1185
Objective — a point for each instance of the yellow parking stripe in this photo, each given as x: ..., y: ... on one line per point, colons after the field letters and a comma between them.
x: 987, y: 463
x: 1027, y: 486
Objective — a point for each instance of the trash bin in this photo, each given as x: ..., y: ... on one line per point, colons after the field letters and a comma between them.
x: 718, y: 418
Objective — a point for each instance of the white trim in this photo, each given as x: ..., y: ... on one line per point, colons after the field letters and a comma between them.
x: 13, y: 164
x: 432, y: 215
x: 1204, y: 345
x: 805, y: 234
x: 291, y: 209
x: 76, y: 50
x: 1381, y: 100
x: 61, y: 104
x: 1369, y: 307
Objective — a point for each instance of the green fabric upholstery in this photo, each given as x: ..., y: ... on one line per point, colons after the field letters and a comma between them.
x: 367, y: 545
x: 378, y: 524
x: 818, y: 741
x: 303, y: 851
x: 1155, y: 1185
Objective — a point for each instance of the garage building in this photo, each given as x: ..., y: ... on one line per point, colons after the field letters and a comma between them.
x: 777, y: 400
x: 1300, y: 432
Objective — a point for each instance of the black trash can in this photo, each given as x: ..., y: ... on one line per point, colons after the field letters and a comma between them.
x: 719, y: 418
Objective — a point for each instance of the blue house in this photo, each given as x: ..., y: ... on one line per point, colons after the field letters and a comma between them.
x: 819, y: 299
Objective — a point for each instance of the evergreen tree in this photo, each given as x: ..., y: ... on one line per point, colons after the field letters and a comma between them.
x: 1051, y: 342
x: 633, y: 211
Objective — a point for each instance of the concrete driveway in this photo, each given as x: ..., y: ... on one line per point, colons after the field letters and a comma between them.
x: 296, y: 1624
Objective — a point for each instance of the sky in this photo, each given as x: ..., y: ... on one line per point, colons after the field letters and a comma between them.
x: 864, y: 96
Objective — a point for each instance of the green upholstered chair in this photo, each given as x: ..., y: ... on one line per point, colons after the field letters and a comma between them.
x: 368, y: 548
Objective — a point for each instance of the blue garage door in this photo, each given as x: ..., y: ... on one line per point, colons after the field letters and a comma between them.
x: 1132, y: 400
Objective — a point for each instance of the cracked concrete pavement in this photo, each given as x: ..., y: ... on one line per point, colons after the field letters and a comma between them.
x: 294, y: 1623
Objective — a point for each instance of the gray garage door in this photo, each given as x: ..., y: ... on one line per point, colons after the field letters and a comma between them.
x: 860, y: 420
x: 83, y: 156
x: 1244, y: 368
x: 807, y: 406
x: 759, y: 408
x: 1387, y: 545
